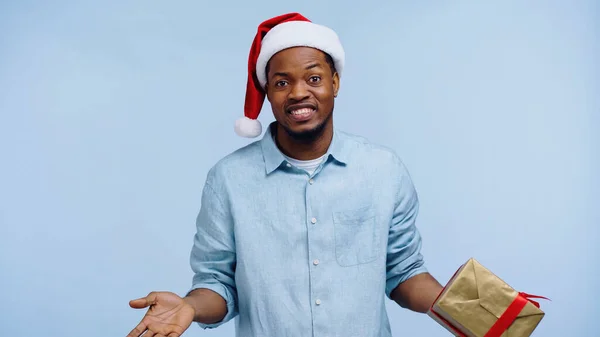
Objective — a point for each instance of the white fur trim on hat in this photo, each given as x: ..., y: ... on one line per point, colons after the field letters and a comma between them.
x: 299, y: 34
x: 249, y: 128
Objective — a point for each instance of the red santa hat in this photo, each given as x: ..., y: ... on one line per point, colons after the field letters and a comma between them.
x: 274, y: 35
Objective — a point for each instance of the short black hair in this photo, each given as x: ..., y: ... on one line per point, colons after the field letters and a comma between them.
x: 328, y: 59
x: 330, y: 62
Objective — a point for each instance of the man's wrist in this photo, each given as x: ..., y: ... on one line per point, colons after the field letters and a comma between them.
x: 209, y: 307
x: 189, y: 301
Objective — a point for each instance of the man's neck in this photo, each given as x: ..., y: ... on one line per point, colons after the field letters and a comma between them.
x: 303, y: 150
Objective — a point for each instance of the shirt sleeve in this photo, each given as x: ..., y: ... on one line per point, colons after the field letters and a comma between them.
x: 213, y: 256
x: 404, y: 259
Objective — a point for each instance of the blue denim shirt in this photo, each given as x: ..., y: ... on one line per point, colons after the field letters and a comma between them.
x: 299, y: 255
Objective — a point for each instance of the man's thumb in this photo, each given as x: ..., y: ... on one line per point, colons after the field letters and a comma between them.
x: 143, y: 302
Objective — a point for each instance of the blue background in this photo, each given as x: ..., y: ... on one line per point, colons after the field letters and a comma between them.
x: 112, y: 112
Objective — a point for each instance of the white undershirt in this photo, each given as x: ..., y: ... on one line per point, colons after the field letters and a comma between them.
x: 308, y: 165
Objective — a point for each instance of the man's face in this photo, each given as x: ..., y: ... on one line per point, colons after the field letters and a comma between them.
x: 301, y: 89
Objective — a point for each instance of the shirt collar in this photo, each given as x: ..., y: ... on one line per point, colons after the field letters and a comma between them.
x: 274, y: 158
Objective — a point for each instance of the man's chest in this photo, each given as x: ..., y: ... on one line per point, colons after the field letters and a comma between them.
x: 340, y: 220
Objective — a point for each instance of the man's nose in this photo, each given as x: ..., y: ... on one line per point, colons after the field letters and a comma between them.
x: 298, y: 92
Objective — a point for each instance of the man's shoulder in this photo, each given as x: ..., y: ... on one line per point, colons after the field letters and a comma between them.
x: 361, y: 147
x: 247, y: 153
x: 239, y: 161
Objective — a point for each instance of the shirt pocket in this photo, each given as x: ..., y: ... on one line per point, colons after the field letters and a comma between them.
x: 355, y: 236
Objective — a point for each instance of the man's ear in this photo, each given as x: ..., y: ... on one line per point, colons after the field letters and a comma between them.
x: 267, y: 92
x: 336, y: 84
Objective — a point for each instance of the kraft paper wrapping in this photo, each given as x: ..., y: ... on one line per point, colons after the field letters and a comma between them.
x: 475, y: 298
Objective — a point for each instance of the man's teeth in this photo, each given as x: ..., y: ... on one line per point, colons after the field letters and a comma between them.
x: 302, y: 111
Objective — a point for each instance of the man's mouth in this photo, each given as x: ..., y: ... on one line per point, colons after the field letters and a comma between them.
x: 301, y: 112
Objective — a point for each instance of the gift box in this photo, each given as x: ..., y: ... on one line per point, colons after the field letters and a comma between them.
x: 477, y: 303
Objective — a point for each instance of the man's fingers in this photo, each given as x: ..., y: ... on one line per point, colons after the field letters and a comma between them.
x: 138, y: 303
x: 173, y: 334
x: 143, y: 302
x: 138, y: 330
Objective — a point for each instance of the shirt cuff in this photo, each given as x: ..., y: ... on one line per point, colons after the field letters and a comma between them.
x: 394, y: 281
x: 227, y: 296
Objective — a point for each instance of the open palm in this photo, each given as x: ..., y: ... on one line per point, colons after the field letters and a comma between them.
x: 168, y: 316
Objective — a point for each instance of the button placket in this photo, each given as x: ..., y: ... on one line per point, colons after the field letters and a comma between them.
x: 314, y: 217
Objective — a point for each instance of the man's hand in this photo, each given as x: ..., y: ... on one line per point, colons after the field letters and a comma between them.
x: 169, y: 315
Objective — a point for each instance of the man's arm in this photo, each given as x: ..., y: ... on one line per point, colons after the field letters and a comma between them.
x: 408, y: 282
x: 213, y: 294
x: 417, y: 293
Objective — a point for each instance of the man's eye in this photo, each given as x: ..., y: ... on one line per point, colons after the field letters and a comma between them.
x: 280, y: 83
x: 315, y: 79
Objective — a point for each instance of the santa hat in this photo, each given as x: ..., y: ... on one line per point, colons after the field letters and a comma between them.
x: 274, y: 35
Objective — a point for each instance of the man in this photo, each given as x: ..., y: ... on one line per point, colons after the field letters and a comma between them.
x: 305, y: 232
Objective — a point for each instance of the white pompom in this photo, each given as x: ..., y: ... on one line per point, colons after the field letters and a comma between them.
x: 249, y: 128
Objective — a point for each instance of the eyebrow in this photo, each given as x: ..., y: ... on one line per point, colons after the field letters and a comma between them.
x: 310, y: 66
x: 314, y: 65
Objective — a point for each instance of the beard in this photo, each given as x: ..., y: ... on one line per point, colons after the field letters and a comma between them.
x: 308, y: 135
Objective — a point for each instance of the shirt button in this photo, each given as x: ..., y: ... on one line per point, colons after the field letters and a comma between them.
x: 313, y: 220
x: 288, y: 165
x: 318, y: 302
x: 316, y: 262
x: 310, y: 181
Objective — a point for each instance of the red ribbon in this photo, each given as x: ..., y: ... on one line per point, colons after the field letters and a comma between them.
x: 511, y: 313
x: 529, y: 298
